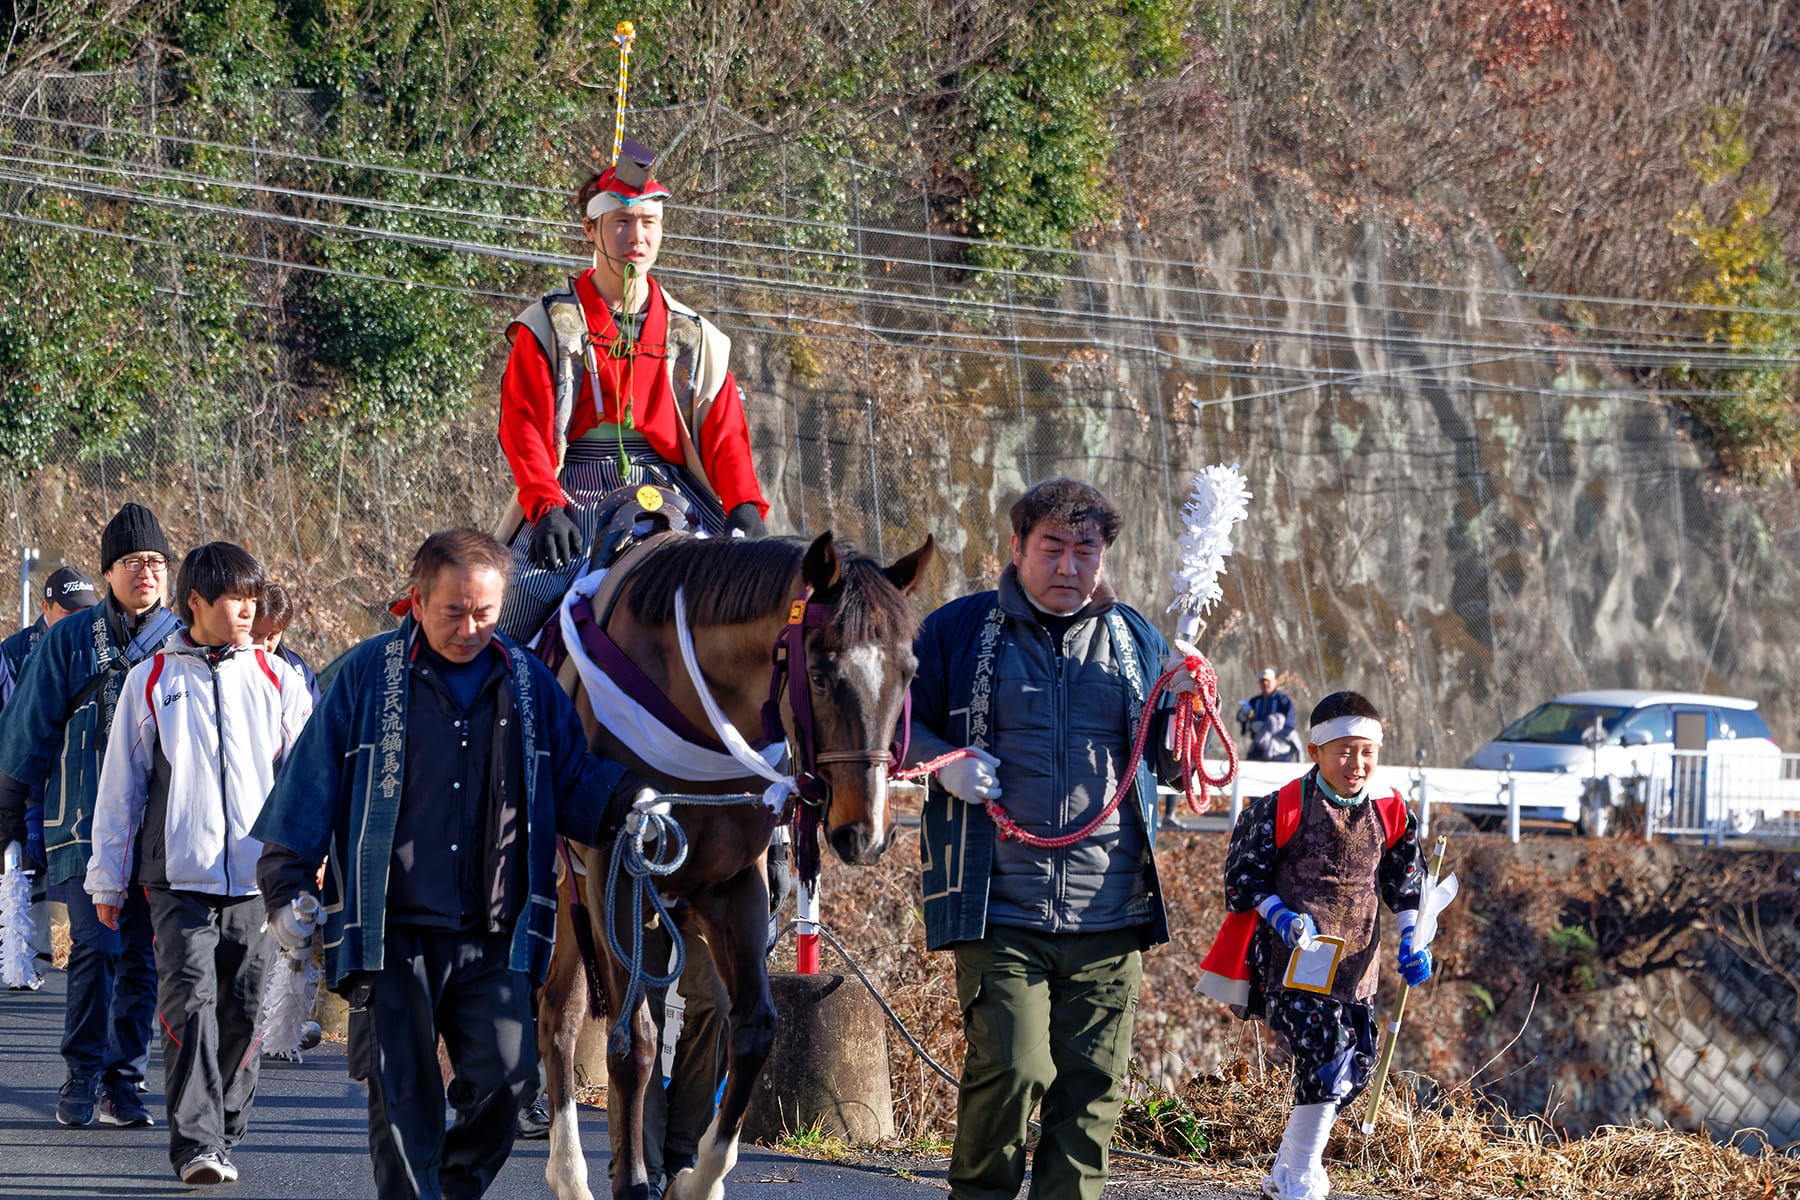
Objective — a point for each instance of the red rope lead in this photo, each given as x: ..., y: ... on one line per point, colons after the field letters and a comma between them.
x: 1190, y: 732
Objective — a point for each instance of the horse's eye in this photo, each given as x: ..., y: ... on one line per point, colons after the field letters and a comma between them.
x: 819, y: 680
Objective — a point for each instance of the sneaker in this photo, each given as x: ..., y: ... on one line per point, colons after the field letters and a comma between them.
x: 119, y: 1105
x: 76, y: 1108
x: 534, y: 1122
x: 208, y: 1166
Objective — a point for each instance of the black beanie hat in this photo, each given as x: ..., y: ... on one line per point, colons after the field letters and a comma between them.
x: 133, y: 528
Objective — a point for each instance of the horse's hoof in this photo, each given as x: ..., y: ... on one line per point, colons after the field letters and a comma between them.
x: 685, y: 1185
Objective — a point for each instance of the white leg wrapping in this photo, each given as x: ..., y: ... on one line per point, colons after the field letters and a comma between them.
x: 1299, y: 1171
x: 566, y: 1170
x: 705, y: 1180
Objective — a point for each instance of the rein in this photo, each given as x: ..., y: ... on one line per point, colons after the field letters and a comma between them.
x: 1189, y: 732
x: 789, y: 672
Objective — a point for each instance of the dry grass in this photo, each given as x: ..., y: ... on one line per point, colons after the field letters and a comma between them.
x: 1456, y: 1145
x: 1205, y: 1078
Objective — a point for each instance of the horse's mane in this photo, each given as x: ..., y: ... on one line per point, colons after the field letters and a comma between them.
x: 731, y: 581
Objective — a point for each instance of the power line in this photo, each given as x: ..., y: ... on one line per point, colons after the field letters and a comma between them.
x: 1514, y: 296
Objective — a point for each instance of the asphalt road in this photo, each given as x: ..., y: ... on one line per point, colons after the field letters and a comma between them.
x: 308, y: 1140
x: 308, y: 1137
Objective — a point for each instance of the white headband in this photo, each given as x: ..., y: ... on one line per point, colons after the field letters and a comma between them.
x: 1343, y: 727
x: 601, y: 203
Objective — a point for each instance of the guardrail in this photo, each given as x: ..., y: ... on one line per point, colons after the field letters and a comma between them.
x: 1718, y: 799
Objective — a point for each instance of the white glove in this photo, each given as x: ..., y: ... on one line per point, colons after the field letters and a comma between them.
x: 1176, y: 660
x: 293, y: 925
x: 972, y: 778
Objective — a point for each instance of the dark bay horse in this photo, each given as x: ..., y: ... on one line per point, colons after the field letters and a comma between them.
x: 858, y: 663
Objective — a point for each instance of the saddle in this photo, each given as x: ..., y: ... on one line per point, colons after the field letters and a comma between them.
x: 629, y: 515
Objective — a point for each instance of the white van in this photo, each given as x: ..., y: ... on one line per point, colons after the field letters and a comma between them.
x: 1619, y: 734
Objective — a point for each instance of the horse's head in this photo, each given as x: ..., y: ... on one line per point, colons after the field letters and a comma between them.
x: 858, y: 668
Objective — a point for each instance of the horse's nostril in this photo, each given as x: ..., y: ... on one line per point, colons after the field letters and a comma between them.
x: 851, y: 843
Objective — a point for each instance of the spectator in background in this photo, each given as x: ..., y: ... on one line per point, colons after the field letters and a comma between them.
x: 1267, y: 718
x: 52, y: 735
x: 274, y: 613
x: 200, y: 731
x: 66, y: 592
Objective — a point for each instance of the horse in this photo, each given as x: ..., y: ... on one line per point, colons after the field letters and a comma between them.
x: 855, y: 653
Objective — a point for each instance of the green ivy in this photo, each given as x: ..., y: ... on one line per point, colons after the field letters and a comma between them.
x: 81, y: 355
x: 1040, y: 136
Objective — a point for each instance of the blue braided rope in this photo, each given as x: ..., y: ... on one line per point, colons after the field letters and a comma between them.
x: 628, y: 850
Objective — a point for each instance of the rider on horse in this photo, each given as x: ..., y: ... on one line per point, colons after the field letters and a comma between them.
x: 618, y: 384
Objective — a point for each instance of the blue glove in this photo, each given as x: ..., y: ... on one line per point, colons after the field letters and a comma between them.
x: 1415, y: 965
x: 34, y: 834
x: 1291, y: 927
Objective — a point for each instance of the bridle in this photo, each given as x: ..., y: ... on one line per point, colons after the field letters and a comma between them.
x: 788, y: 672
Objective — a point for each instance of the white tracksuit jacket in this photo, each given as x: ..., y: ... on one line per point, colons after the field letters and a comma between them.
x: 195, y: 743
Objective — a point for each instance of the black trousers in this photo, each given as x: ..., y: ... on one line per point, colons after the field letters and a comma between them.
x: 211, y: 959
x: 456, y: 986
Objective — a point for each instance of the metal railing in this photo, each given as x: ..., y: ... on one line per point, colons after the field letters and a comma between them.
x: 1720, y: 798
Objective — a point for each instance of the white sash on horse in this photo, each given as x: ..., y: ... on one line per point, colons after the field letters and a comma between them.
x: 661, y: 748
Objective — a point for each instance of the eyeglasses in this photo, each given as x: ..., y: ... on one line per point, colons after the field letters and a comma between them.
x: 144, y: 562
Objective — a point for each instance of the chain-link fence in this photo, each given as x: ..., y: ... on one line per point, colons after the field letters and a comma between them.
x: 1461, y: 505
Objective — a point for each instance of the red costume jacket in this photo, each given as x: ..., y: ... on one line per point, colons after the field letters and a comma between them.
x: 715, y: 424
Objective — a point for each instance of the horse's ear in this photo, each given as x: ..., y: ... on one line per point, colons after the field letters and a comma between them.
x: 906, y: 572
x: 820, y: 570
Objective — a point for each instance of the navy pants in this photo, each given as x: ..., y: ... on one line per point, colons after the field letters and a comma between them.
x: 112, y: 987
x: 457, y: 986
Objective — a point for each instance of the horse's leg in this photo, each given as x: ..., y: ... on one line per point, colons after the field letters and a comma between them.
x: 629, y: 1074
x: 562, y: 1010
x: 736, y: 918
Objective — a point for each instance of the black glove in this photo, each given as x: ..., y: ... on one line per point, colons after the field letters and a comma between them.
x: 781, y: 880
x: 555, y: 542
x: 744, y: 518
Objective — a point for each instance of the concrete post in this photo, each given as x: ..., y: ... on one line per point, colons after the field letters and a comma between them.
x: 828, y: 1066
x: 1511, y: 790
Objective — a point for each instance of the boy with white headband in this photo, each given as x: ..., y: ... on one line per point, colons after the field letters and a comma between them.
x: 1310, y: 861
x: 612, y: 382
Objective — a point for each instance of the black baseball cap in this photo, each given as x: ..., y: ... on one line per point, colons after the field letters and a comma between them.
x: 70, y: 588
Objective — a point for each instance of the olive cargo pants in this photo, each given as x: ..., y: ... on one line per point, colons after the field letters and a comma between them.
x: 1047, y: 1017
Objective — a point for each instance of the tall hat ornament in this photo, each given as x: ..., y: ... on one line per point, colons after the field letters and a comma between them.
x: 624, y: 33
